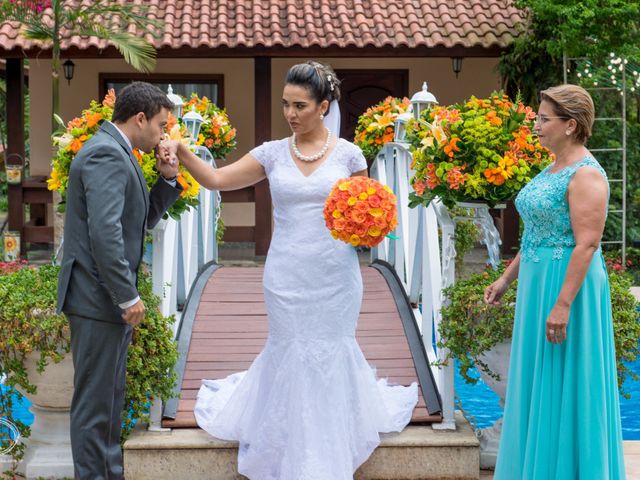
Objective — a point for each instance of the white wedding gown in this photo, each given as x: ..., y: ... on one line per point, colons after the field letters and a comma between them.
x: 309, y: 407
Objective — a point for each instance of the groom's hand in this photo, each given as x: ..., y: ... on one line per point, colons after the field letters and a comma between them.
x: 134, y: 314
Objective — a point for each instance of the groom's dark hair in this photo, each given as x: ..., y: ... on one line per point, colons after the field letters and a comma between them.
x: 139, y: 97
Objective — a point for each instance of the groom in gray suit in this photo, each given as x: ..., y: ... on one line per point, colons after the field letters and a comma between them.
x: 108, y: 211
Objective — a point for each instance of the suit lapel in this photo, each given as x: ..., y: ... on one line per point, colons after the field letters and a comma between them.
x: 109, y: 128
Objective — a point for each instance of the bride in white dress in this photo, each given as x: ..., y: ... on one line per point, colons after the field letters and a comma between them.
x: 309, y: 407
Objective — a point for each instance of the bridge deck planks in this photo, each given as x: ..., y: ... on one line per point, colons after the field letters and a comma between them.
x: 230, y: 329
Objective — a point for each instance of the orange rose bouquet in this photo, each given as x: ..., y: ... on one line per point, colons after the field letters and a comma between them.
x: 360, y: 211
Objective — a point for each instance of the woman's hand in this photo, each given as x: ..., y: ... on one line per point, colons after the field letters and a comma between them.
x: 557, y: 322
x: 494, y: 292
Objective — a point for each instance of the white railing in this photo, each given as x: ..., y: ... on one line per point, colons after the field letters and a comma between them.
x: 180, y: 249
x: 423, y: 265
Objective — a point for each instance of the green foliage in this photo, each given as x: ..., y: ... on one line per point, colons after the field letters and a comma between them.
x: 467, y: 234
x: 584, y: 27
x: 579, y: 28
x: 152, y: 356
x: 4, y: 199
x: 28, y: 323
x: 469, y: 327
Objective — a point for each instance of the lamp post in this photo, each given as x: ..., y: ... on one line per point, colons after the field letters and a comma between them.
x: 177, y: 102
x: 193, y: 120
x: 400, y: 133
x: 422, y: 100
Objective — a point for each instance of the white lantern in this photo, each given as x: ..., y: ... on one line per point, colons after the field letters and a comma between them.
x: 400, y: 133
x: 193, y: 120
x: 422, y: 100
x: 177, y: 102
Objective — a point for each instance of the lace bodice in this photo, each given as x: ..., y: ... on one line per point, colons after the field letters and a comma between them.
x: 543, y: 206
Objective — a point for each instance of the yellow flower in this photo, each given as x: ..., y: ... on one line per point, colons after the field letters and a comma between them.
x: 344, y: 186
x: 54, y: 183
x: 438, y: 133
x: 363, y: 196
x: 371, y: 190
x: 354, y: 240
x: 387, y: 189
x: 427, y: 142
x: 352, y: 201
x: 335, y: 234
x: 381, y: 121
x: 376, y: 212
x: 374, y: 231
x: 337, y: 214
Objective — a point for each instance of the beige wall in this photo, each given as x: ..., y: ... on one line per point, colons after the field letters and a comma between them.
x: 478, y: 77
x: 238, y: 92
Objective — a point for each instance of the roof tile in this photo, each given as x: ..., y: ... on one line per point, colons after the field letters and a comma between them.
x: 325, y: 23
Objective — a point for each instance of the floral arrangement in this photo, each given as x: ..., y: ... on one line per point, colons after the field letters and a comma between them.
x: 216, y: 132
x: 82, y: 128
x: 481, y: 149
x: 360, y: 211
x: 376, y: 125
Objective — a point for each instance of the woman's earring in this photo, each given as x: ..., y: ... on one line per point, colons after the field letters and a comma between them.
x: 322, y: 116
x: 567, y: 133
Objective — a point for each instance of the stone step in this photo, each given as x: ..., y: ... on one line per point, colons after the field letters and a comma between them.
x: 419, y: 452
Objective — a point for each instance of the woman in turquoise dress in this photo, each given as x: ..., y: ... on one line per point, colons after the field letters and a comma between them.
x: 562, y: 416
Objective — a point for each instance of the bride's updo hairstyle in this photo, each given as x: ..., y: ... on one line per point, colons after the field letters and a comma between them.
x: 319, y: 79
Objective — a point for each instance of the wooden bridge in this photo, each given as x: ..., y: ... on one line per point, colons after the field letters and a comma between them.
x: 225, y: 327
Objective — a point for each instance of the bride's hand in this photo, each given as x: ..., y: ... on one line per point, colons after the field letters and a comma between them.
x: 167, y: 152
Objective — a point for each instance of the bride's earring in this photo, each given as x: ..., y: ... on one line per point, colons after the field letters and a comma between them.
x: 322, y: 116
x: 567, y: 133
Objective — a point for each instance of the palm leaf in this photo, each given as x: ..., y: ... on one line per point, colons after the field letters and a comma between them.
x: 37, y: 32
x: 136, y: 51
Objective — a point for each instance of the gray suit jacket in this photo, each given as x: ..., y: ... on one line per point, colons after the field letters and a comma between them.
x: 108, y: 211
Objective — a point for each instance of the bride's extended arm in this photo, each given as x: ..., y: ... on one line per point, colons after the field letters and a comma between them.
x: 239, y: 174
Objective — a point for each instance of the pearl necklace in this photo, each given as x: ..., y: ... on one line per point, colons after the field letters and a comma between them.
x: 314, y: 157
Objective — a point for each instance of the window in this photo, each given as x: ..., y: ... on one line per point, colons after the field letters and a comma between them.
x: 209, y: 86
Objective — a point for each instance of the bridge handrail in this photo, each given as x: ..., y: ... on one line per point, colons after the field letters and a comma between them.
x: 424, y: 263
x: 180, y: 249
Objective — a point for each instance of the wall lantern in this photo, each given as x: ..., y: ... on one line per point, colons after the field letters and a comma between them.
x: 421, y: 101
x: 177, y: 102
x: 456, y: 63
x: 193, y: 120
x: 68, y: 68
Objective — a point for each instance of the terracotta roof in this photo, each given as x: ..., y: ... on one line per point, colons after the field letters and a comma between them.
x: 232, y: 24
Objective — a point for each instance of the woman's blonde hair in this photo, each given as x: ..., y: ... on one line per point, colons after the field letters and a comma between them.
x: 572, y: 101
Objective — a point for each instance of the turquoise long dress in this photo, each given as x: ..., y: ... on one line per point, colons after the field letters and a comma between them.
x: 562, y: 415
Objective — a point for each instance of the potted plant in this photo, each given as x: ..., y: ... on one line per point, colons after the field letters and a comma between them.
x: 376, y: 126
x: 35, y: 359
x: 480, y: 150
x: 479, y: 335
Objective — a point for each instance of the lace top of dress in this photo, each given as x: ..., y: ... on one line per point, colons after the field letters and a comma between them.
x: 544, y: 209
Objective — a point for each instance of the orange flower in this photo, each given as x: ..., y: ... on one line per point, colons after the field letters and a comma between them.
x: 77, y: 143
x: 183, y: 183
x: 110, y: 99
x: 493, y: 118
x: 432, y: 179
x: 451, y: 146
x: 419, y: 186
x: 455, y: 178
x: 92, y: 118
